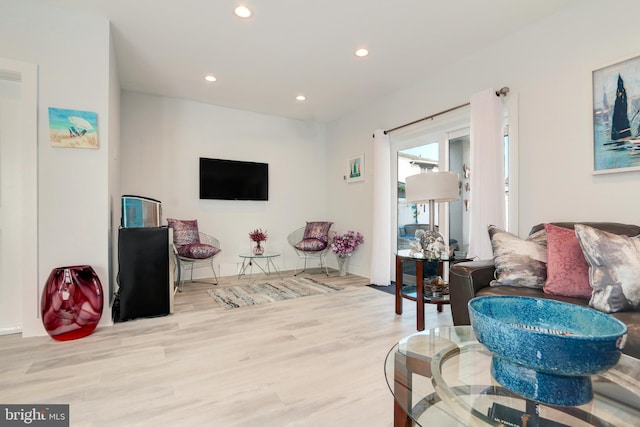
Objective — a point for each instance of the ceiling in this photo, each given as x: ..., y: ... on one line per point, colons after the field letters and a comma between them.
x: 291, y: 47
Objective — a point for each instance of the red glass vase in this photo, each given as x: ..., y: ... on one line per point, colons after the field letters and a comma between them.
x: 71, y: 304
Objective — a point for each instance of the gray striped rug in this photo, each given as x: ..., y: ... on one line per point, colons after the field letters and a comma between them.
x: 262, y: 293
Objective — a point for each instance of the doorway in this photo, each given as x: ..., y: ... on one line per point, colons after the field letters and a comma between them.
x: 19, y: 291
x: 459, y: 214
x: 412, y: 217
x: 10, y: 207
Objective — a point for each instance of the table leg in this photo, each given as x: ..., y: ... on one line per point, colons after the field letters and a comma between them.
x: 269, y: 260
x: 398, y: 285
x: 402, y: 392
x: 420, y: 295
x: 400, y: 418
x: 243, y: 269
x: 261, y: 268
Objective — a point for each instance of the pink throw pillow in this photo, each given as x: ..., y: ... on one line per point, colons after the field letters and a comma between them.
x: 317, y: 230
x: 185, y: 232
x: 197, y: 251
x: 567, y: 268
x: 311, y: 245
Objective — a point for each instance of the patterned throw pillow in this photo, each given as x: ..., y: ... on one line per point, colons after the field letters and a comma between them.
x: 567, y: 270
x: 519, y: 262
x: 614, y: 268
x: 185, y: 232
x: 311, y: 245
x: 197, y: 251
x: 317, y: 230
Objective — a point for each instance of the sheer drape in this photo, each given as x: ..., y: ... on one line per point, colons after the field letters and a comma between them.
x: 487, y: 171
x: 381, y: 238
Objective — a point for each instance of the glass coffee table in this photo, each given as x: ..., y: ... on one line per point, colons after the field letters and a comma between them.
x: 264, y: 263
x: 443, y: 377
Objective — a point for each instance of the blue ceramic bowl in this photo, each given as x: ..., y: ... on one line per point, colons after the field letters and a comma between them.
x: 546, y: 349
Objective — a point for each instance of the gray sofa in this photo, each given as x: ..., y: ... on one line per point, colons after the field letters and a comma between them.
x: 470, y: 279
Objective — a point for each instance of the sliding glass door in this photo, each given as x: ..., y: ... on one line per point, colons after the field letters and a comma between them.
x: 444, y: 144
x: 412, y: 217
x: 459, y: 210
x: 417, y: 152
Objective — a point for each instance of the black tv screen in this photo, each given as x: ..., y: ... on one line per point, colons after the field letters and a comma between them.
x: 233, y: 180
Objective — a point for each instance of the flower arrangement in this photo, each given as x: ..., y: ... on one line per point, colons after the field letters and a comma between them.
x: 346, y: 243
x: 258, y: 235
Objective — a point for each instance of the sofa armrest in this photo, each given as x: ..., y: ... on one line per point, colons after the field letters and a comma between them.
x: 465, y: 279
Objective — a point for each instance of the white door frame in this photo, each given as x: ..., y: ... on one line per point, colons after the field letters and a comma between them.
x: 444, y: 129
x: 26, y: 274
x: 441, y: 129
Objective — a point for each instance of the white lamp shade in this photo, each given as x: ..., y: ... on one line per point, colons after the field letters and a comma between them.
x: 436, y: 186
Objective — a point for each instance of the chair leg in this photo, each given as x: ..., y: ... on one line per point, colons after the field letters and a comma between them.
x: 323, y: 264
x: 304, y: 268
x: 187, y: 265
x: 177, y: 272
x: 295, y: 270
x: 215, y: 276
x: 181, y: 272
x: 323, y: 260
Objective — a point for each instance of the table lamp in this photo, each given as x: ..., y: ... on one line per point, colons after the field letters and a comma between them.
x: 433, y: 187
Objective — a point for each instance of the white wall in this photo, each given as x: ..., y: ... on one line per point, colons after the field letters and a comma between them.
x: 72, y: 54
x: 114, y: 170
x: 549, y: 65
x: 163, y: 138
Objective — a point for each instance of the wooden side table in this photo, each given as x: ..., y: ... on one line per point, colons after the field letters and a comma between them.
x: 420, y: 298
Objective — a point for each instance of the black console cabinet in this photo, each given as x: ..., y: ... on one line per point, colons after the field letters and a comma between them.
x: 145, y: 273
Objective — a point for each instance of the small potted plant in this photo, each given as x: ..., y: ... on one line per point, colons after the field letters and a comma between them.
x: 343, y: 245
x: 258, y: 236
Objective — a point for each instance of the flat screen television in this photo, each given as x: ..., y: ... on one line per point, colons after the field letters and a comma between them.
x: 233, y: 180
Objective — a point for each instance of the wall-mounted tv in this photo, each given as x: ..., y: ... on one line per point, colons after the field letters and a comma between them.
x: 233, y: 180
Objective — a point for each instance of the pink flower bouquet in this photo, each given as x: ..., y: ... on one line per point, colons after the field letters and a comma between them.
x: 346, y: 243
x: 258, y: 235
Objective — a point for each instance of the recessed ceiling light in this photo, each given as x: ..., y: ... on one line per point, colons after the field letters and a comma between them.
x: 362, y: 52
x: 242, y: 11
x: 301, y: 97
x: 210, y: 78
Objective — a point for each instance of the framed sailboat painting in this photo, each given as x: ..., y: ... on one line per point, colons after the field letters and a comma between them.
x: 356, y: 168
x: 616, y: 117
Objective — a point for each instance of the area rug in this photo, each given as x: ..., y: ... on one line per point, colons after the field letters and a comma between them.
x: 262, y: 293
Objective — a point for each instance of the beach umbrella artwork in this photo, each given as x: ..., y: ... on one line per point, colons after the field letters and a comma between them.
x: 79, y: 126
x: 73, y: 128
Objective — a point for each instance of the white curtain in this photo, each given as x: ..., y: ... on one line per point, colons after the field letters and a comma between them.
x: 381, y: 238
x: 487, y: 199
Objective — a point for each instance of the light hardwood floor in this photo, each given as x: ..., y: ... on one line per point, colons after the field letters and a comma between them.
x: 313, y: 361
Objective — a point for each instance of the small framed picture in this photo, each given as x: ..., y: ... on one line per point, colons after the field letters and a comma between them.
x: 73, y: 128
x: 356, y: 168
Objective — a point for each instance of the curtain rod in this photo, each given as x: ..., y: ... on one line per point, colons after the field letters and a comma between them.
x: 502, y: 92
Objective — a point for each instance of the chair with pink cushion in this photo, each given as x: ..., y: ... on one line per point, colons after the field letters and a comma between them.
x: 192, y: 249
x: 311, y: 242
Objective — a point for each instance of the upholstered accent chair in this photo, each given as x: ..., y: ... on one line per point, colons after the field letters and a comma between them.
x: 192, y: 249
x: 311, y: 242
